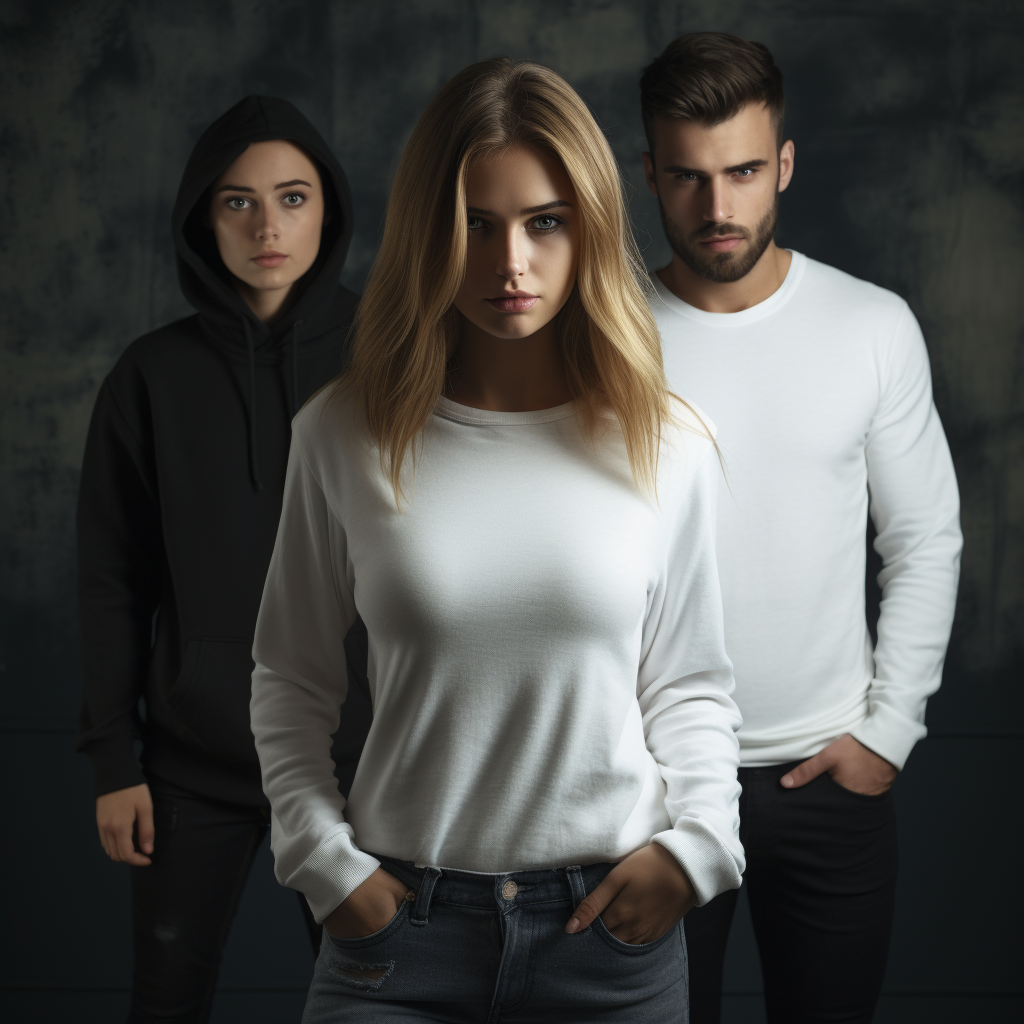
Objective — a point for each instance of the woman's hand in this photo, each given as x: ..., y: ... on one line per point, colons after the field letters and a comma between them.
x: 120, y: 813
x: 640, y: 898
x: 368, y: 908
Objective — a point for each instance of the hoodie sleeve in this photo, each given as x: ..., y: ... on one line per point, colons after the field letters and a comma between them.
x: 119, y: 559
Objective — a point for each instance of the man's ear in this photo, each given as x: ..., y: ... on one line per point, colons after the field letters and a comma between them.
x: 787, y: 157
x: 652, y: 181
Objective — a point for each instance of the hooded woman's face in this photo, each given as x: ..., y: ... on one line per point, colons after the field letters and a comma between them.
x: 266, y: 211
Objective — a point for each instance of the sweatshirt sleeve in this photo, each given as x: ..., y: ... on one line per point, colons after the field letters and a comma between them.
x: 684, y: 687
x: 915, y: 507
x: 119, y: 558
x: 298, y: 687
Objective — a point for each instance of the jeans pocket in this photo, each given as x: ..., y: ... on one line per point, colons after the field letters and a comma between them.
x: 875, y: 797
x: 630, y: 948
x: 360, y: 941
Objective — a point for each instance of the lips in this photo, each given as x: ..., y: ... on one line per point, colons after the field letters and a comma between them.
x: 718, y: 244
x: 269, y: 259
x: 514, y: 303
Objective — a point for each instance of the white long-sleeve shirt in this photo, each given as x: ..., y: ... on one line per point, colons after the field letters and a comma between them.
x: 822, y: 396
x: 546, y: 658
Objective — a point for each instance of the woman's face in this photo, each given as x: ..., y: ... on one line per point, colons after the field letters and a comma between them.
x: 266, y: 211
x: 523, y: 243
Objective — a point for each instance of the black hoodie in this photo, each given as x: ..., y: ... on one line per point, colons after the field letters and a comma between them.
x: 181, y: 494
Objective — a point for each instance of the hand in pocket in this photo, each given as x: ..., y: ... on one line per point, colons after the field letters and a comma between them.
x: 369, y: 907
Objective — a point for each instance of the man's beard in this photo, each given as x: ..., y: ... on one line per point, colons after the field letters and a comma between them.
x: 722, y: 267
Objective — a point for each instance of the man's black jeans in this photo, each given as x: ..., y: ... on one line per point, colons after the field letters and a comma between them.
x: 821, y: 879
x: 183, y: 903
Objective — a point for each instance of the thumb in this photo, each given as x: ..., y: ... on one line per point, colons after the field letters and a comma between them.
x: 806, y: 771
x: 592, y: 905
x: 144, y: 823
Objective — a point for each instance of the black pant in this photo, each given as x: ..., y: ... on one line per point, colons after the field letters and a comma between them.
x: 821, y: 879
x: 183, y: 903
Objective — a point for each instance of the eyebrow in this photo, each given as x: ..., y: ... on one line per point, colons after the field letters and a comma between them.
x: 245, y: 188
x: 729, y: 170
x: 553, y: 205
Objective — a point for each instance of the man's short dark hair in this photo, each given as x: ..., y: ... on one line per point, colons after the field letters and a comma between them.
x: 707, y: 77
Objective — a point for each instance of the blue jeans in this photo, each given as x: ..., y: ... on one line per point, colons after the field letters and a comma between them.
x: 486, y: 948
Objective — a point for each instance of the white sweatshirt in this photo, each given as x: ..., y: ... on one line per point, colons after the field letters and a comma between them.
x: 822, y: 395
x: 546, y: 658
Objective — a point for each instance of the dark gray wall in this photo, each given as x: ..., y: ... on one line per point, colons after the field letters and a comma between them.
x: 908, y: 117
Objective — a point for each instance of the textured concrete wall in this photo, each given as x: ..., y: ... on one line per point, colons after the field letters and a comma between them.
x: 908, y: 117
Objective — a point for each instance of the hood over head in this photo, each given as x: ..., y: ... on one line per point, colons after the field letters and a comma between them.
x: 205, y: 281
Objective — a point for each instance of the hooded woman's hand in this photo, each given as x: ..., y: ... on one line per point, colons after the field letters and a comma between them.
x: 118, y: 814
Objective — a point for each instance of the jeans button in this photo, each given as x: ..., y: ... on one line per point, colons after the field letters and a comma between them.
x: 509, y: 890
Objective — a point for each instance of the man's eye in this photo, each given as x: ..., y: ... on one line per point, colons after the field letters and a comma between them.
x: 746, y: 172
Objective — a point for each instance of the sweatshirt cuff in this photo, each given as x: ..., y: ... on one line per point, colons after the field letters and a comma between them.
x: 708, y: 864
x: 114, y: 763
x: 335, y: 869
x: 889, y: 733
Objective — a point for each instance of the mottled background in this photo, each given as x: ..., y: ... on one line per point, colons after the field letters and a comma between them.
x: 908, y: 117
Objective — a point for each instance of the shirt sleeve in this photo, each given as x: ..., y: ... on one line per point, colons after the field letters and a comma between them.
x: 684, y: 688
x: 915, y: 507
x: 298, y: 688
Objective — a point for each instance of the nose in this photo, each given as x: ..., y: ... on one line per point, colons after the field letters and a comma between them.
x: 267, y: 226
x: 511, y: 259
x: 718, y: 207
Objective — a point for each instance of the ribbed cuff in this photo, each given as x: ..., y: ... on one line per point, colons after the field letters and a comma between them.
x: 335, y: 869
x: 114, y: 763
x: 711, y: 868
x: 889, y: 733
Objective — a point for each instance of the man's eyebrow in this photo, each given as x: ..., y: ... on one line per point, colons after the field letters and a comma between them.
x: 675, y: 169
x: 245, y: 188
x: 553, y: 205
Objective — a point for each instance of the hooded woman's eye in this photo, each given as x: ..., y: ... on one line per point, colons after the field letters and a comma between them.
x: 293, y: 199
x: 237, y: 203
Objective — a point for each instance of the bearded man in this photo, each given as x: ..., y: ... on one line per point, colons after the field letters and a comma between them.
x: 819, y: 384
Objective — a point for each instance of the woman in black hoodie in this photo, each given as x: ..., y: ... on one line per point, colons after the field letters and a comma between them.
x: 178, y: 509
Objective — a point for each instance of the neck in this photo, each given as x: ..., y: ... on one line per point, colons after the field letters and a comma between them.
x: 267, y: 303
x: 508, y: 374
x: 763, y: 280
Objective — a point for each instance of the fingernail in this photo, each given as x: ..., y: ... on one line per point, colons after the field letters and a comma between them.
x: 573, y: 926
x: 787, y: 780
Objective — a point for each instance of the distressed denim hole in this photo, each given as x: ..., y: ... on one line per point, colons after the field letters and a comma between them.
x: 365, y: 976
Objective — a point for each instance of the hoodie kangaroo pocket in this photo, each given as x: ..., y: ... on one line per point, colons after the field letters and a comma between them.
x: 210, y: 698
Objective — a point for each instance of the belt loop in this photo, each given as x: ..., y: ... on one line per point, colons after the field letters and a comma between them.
x: 579, y: 894
x: 421, y: 908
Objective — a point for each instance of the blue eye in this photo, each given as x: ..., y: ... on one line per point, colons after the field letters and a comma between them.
x: 546, y: 222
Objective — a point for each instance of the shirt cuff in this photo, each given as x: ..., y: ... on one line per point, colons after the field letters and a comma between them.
x: 709, y: 865
x: 889, y: 733
x: 334, y: 870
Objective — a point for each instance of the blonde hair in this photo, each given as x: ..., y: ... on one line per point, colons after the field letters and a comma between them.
x: 407, y: 327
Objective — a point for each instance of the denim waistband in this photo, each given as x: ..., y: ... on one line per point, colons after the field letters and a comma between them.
x: 504, y: 893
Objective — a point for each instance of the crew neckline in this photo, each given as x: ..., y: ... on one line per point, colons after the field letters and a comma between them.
x: 450, y: 410
x: 772, y: 304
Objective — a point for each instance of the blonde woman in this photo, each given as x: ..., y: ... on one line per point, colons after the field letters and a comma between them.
x: 503, y: 488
